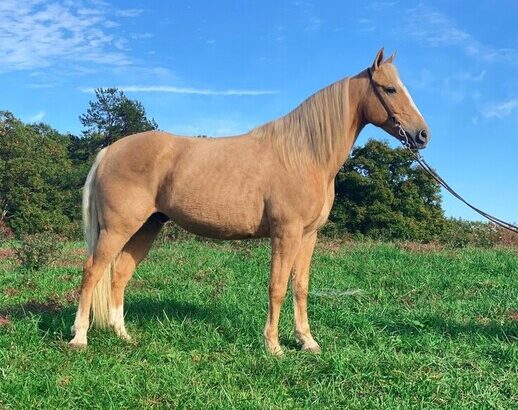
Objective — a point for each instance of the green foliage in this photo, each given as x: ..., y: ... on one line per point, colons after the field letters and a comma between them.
x: 34, y: 177
x: 42, y: 172
x: 5, y: 231
x: 37, y: 251
x: 459, y: 233
x: 381, y: 194
x: 112, y: 116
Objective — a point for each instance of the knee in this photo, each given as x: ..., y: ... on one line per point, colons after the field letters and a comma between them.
x: 276, y: 294
x: 300, y: 291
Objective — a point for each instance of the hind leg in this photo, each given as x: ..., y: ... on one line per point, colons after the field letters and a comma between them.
x: 132, y: 254
x: 108, y: 246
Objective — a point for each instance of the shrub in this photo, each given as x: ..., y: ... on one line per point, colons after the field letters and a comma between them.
x: 506, y: 237
x: 381, y: 194
x: 38, y: 250
x: 459, y: 233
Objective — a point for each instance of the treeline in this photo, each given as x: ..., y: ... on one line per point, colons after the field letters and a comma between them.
x: 42, y: 171
x: 379, y: 192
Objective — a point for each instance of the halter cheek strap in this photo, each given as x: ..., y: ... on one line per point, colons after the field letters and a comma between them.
x: 401, y: 132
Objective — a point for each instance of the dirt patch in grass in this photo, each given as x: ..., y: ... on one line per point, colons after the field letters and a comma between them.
x: 331, y: 246
x: 49, y: 305
x: 4, y: 320
x: 513, y: 316
x: 53, y: 303
x: 10, y: 292
x: 72, y: 296
x: 6, y: 254
x: 73, y: 257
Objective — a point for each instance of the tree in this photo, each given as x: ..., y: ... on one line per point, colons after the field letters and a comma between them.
x: 34, y: 177
x: 113, y: 116
x: 380, y: 193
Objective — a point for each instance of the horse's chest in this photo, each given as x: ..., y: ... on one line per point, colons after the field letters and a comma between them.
x: 327, y: 204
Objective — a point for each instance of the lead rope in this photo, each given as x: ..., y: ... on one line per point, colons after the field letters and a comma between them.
x: 417, y: 156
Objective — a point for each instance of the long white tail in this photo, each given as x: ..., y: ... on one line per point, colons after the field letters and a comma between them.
x: 101, y: 299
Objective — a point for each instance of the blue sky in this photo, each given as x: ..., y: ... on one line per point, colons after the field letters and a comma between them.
x: 220, y: 68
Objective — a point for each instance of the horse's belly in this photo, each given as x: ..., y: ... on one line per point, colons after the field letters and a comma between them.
x: 223, y: 220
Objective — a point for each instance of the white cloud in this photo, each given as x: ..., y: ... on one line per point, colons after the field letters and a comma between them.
x: 38, y: 117
x: 212, y: 127
x: 128, y: 12
x: 141, y: 36
x: 467, y: 76
x: 437, y: 30
x: 422, y: 81
x: 38, y: 33
x: 184, y: 90
x: 501, y: 109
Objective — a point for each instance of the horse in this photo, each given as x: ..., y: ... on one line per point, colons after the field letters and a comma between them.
x: 275, y: 181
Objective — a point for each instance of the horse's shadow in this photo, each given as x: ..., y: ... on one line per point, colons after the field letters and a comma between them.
x: 54, y: 320
x: 446, y: 327
x: 506, y: 332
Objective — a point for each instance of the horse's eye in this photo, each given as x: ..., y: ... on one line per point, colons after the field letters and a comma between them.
x: 389, y: 89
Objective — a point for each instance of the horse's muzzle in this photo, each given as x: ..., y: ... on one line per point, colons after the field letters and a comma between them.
x: 420, y: 140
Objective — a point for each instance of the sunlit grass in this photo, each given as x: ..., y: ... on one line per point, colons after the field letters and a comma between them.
x: 398, y: 329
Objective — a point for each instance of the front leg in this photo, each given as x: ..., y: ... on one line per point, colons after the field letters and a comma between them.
x: 285, y: 246
x: 300, y: 287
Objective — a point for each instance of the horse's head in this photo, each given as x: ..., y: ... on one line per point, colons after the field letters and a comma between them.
x: 390, y: 106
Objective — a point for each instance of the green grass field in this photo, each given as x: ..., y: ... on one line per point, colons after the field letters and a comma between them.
x: 398, y: 328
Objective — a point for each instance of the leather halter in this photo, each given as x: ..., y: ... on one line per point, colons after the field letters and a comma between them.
x: 401, y: 131
x: 427, y: 168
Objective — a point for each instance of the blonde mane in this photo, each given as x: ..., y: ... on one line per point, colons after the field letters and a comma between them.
x: 313, y: 130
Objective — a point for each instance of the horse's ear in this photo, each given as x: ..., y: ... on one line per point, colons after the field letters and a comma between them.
x: 378, y: 60
x: 391, y: 58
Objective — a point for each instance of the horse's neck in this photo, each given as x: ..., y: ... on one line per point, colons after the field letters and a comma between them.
x: 356, y: 122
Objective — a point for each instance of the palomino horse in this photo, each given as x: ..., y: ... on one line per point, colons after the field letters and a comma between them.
x: 276, y: 181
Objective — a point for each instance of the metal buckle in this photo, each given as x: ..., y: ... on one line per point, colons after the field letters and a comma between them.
x: 403, y: 136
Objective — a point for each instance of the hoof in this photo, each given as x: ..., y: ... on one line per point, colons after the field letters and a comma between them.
x: 312, y: 348
x: 123, y: 335
x: 277, y: 352
x: 77, y: 345
x: 274, y: 349
x: 78, y: 341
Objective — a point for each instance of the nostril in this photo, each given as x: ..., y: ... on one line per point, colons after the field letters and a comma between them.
x: 422, y: 137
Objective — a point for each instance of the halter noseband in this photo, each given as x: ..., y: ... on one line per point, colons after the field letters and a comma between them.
x: 401, y: 132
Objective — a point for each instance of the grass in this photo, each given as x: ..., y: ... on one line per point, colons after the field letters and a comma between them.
x: 398, y: 328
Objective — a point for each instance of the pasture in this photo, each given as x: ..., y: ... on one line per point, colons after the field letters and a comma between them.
x: 399, y: 327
